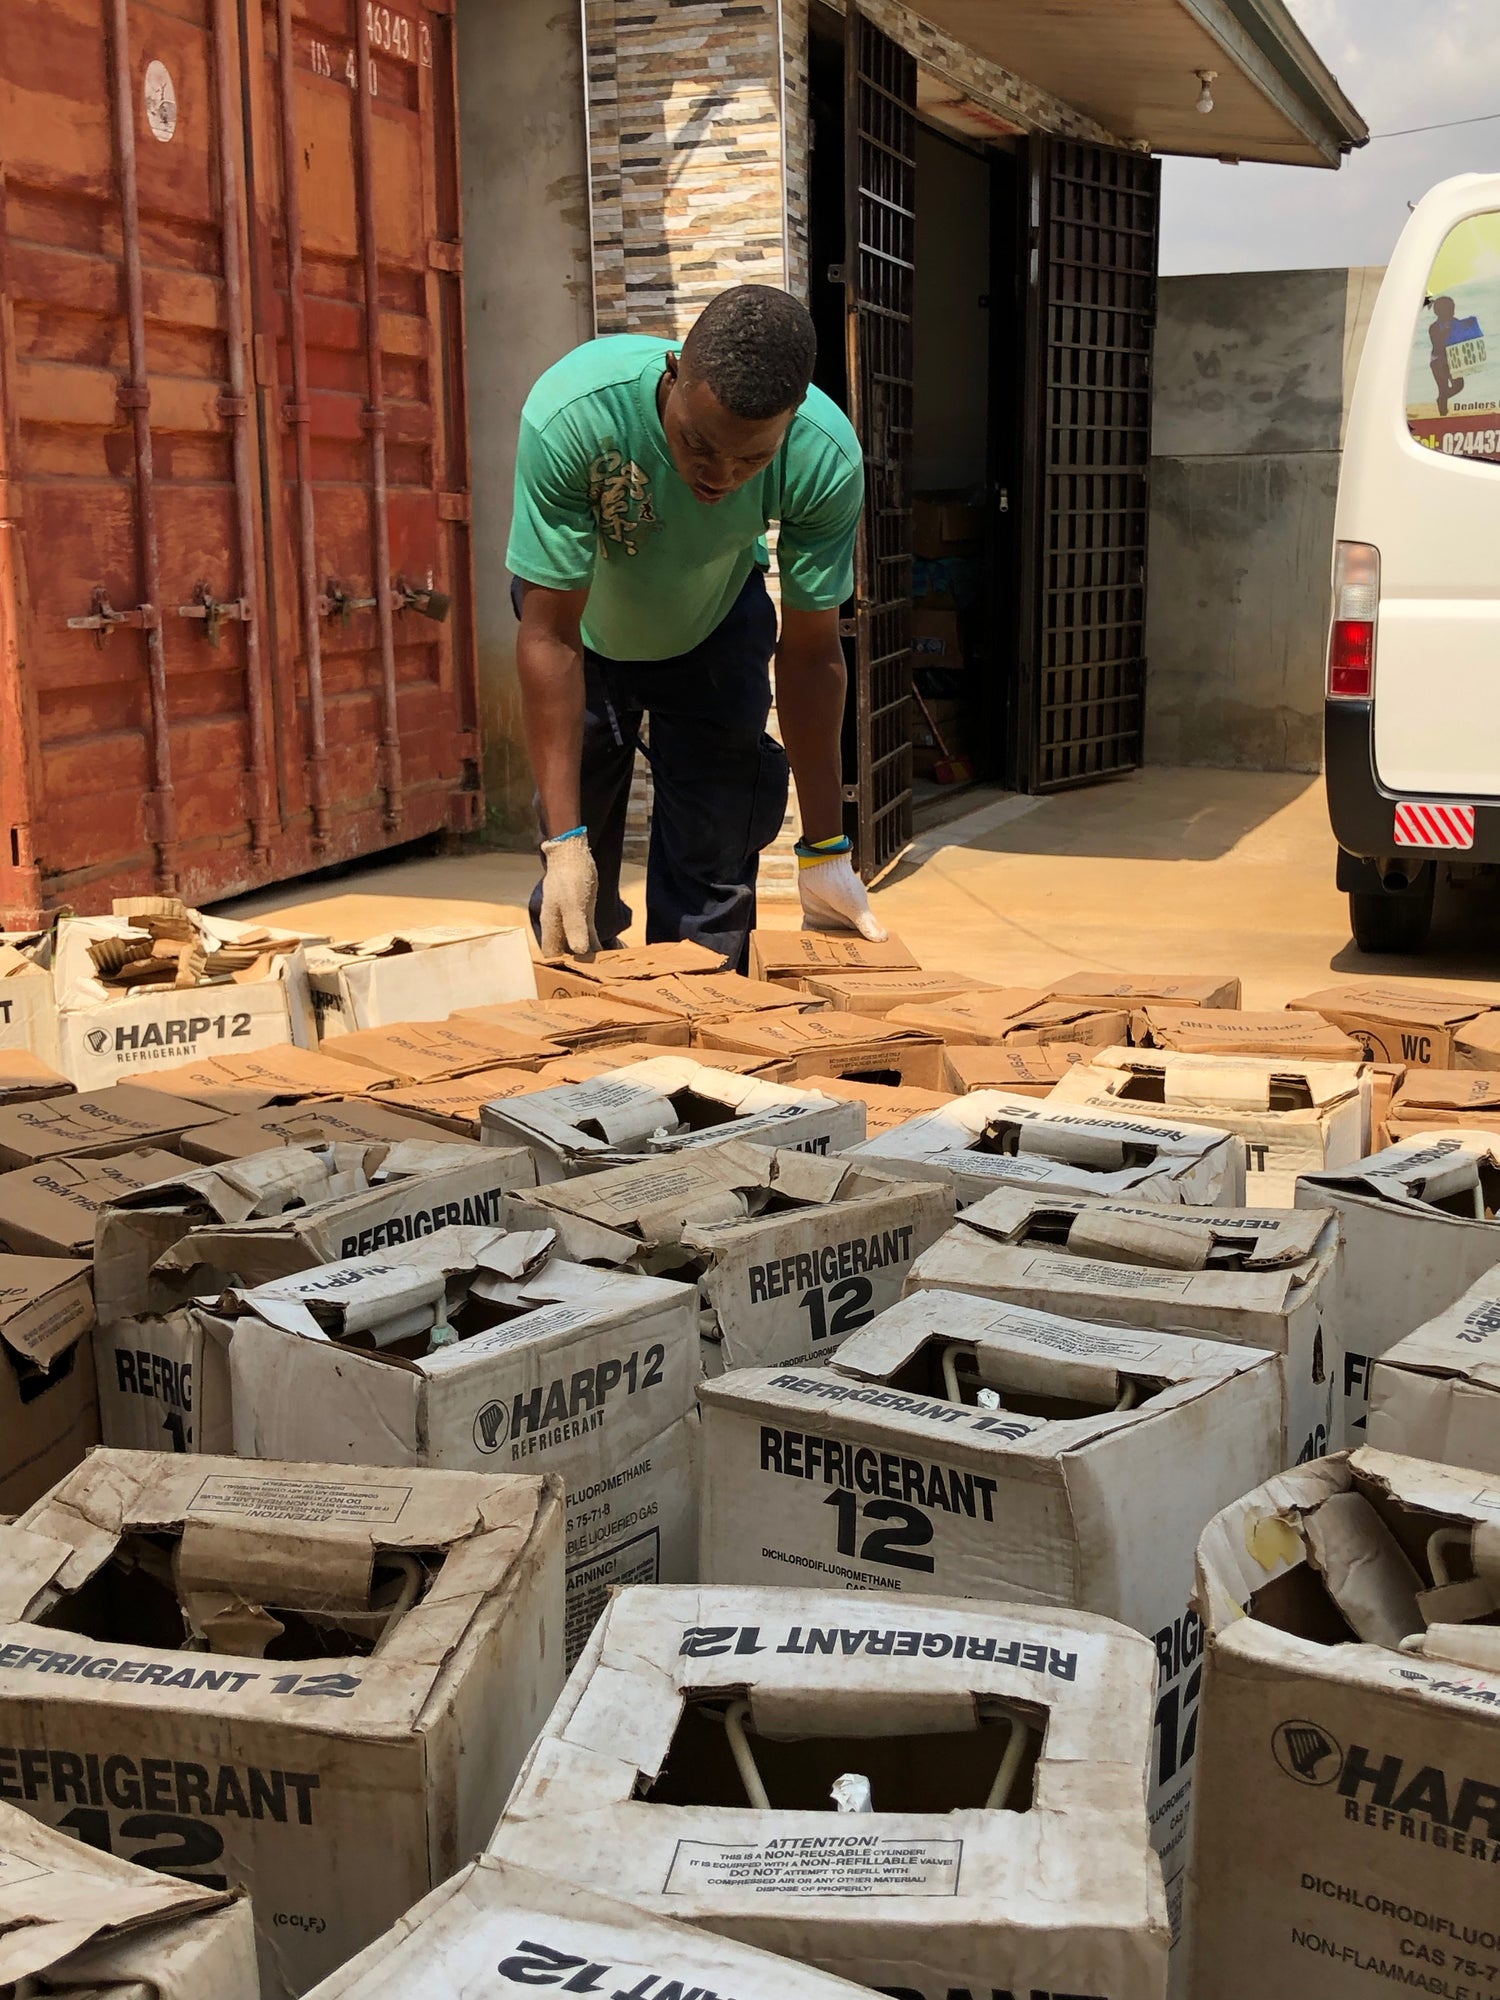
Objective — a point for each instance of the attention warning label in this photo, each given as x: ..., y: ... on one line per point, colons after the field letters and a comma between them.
x: 1118, y: 1277
x: 310, y: 1500
x: 818, y: 1865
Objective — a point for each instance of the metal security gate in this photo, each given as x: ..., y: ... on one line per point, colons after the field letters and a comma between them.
x: 880, y: 91
x: 1081, y: 687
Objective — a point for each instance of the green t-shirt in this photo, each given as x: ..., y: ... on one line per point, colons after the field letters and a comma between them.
x: 600, y: 505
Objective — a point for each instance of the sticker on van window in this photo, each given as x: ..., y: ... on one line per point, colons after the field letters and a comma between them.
x: 1453, y: 375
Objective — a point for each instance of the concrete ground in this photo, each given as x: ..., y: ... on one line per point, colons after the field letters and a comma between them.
x: 1182, y: 871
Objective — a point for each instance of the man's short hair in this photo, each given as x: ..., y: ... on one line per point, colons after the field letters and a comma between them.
x: 755, y: 347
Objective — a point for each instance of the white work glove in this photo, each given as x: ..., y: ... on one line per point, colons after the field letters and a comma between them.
x: 570, y: 884
x: 833, y: 897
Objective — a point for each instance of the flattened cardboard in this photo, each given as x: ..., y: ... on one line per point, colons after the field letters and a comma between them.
x: 991, y: 1139
x: 1144, y: 989
x: 1434, y: 1394
x: 870, y: 993
x: 789, y: 1252
x: 24, y: 1078
x: 1294, y: 1117
x: 1024, y: 1072
x: 79, y: 1920
x: 417, y: 975
x: 885, y: 1104
x: 652, y: 1110
x: 333, y: 1121
x: 286, y: 1075
x: 50, y: 1210
x: 1444, y: 1100
x: 1054, y: 1497
x: 496, y: 1928
x: 1346, y: 1818
x: 1418, y: 1228
x: 1264, y: 1280
x: 49, y: 1412
x: 337, y: 1810
x: 1017, y: 1017
x: 789, y: 957
x: 823, y: 1043
x: 98, y: 1123
x: 1062, y: 1898
x: 1222, y: 1031
x: 587, y: 1021
x: 1416, y: 1025
x: 567, y: 978
x: 425, y: 1051
x: 585, y: 1373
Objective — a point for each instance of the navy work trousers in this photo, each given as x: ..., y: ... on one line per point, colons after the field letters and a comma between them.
x: 720, y: 781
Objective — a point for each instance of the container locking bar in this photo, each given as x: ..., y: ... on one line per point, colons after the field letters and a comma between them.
x: 214, y: 611
x: 102, y: 617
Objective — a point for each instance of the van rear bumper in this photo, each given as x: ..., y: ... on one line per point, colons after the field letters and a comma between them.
x: 1362, y: 811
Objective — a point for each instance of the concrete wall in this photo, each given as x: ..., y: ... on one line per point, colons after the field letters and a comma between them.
x: 529, y: 298
x: 1253, y: 375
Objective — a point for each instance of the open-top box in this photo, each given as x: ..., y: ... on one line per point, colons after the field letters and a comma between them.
x: 1434, y: 1394
x: 990, y: 1759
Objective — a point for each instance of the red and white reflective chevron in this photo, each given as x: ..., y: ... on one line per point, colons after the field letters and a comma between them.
x: 1426, y: 823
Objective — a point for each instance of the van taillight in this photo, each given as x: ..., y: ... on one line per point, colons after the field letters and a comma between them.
x: 1356, y: 606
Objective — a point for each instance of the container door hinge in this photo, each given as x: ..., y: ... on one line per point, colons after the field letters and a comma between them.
x: 445, y: 256
x: 102, y: 617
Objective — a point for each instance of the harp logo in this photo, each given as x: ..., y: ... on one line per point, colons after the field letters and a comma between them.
x: 491, y: 1427
x: 1306, y: 1752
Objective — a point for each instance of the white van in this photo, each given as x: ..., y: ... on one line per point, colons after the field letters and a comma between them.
x: 1412, y: 718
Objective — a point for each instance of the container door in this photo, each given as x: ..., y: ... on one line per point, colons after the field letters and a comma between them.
x: 880, y: 87
x: 1080, y: 695
x: 358, y: 310
x: 133, y: 683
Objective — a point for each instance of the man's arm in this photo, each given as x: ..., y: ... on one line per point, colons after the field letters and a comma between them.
x: 549, y: 664
x: 810, y: 685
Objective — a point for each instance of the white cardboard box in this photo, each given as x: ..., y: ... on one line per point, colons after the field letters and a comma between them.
x: 992, y: 1139
x: 499, y: 1929
x: 28, y: 1005
x: 652, y: 1110
x: 1433, y: 1395
x: 420, y: 974
x: 1294, y: 1117
x: 1348, y: 1818
x: 1263, y: 1280
x: 790, y: 1252
x: 341, y: 1775
x: 78, y: 1920
x: 931, y: 1892
x: 1417, y: 1232
x: 560, y: 1368
x: 871, y: 1472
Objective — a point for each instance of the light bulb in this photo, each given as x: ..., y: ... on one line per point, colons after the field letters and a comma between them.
x: 1205, y: 96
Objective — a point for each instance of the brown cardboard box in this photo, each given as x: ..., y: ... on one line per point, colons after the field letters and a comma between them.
x: 426, y: 1051
x: 710, y: 996
x: 587, y: 978
x: 1017, y: 1017
x: 1433, y: 1395
x: 589, y: 1021
x: 24, y: 1077
x: 1149, y: 988
x: 288, y: 1075
x: 455, y: 1102
x: 1222, y: 1031
x: 790, y: 957
x: 928, y: 1893
x: 354, y: 1121
x: 49, y: 1412
x: 342, y: 1777
x: 1025, y: 1071
x: 587, y: 1063
x: 945, y: 527
x: 81, y: 1921
x: 1416, y: 1025
x: 870, y: 993
x: 1348, y: 1738
x: 49, y: 1210
x: 885, y: 1104
x: 1438, y: 1100
x: 1385, y: 1080
x: 1477, y: 1045
x: 117, y: 1119
x: 881, y: 1049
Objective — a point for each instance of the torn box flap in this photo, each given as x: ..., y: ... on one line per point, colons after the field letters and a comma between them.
x: 291, y: 1566
x: 1171, y: 1243
x: 559, y: 1283
x: 46, y: 1305
x: 1419, y: 1173
x: 420, y: 1156
x: 75, y: 971
x: 30, y: 1563
x: 1364, y: 1569
x: 788, y: 1713
x: 340, y: 1300
x: 578, y: 1237
x: 1476, y: 1646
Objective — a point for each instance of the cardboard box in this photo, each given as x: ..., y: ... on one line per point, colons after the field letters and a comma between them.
x: 1445, y: 1100
x: 1417, y: 1025
x: 497, y: 1928
x: 1418, y: 1229
x: 1346, y: 1815
x: 566, y: 976
x: 416, y: 975
x: 585, y: 1021
x: 1293, y: 1117
x: 339, y: 1778
x: 883, y: 1050
x: 585, y: 1064
x: 990, y: 1139
x: 1018, y: 1017
x: 78, y: 1920
x: 885, y: 1104
x: 790, y: 957
x: 1053, y: 1495
x: 454, y: 1103
x: 1144, y: 989
x: 49, y: 1410
x: 789, y: 1252
x: 1027, y: 1071
x: 929, y: 1893
x: 936, y: 637
x: 695, y: 997
x: 556, y: 1367
x: 28, y: 1005
x: 350, y: 1121
x: 945, y: 527
x: 870, y: 993
x: 1433, y: 1395
x: 119, y: 1119
x: 1223, y: 1031
x: 164, y: 1381
x: 1477, y: 1045
x: 653, y: 1110
x: 248, y: 1221
x: 1264, y: 1280
x: 426, y: 1051
x: 288, y: 1075
x: 1385, y: 1080
x: 24, y: 1078
x: 50, y: 1210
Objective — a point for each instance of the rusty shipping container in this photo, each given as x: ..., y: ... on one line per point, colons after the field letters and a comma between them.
x: 233, y: 444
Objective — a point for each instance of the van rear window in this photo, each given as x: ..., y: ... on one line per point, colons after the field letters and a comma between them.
x: 1453, y: 376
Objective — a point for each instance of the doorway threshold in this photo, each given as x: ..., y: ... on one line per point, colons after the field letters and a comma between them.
x: 934, y: 805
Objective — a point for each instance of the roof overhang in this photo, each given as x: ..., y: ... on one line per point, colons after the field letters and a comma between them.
x: 1133, y: 67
